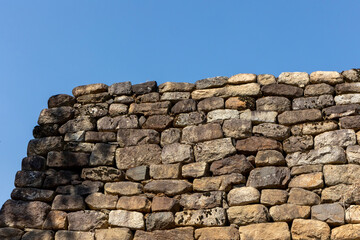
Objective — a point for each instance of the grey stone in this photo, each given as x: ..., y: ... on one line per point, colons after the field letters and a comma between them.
x: 333, y: 214
x: 187, y: 119
x: 301, y: 196
x: 342, y: 138
x: 158, y: 122
x: 33, y: 163
x: 86, y: 220
x: 100, y: 137
x: 350, y: 98
x: 143, y: 88
x: 41, y: 146
x: 319, y: 89
x: 174, y: 96
x: 74, y: 235
x: 350, y: 122
x: 202, y: 200
x: 74, y: 137
x: 342, y: 88
x: 341, y: 174
x: 93, y: 110
x: 234, y: 164
x: 93, y: 98
x: 210, y: 104
x: 272, y: 130
x: 259, y: 116
x: 269, y: 158
x: 168, y: 187
x: 61, y: 100
x: 124, y: 99
x: 32, y: 194
x: 102, y: 173
x: 277, y: 104
x: 352, y: 75
x: 124, y: 188
x: 299, y: 116
x: 29, y: 179
x: 177, y: 153
x: 103, y: 154
x: 160, y: 220
x: 237, y: 128
x: 176, y: 87
x: 213, y: 150
x: 116, y: 109
x: 211, y: 82
x: 119, y: 122
x: 138, y: 155
x: 78, y: 124
x: 148, y: 109
x: 55, y: 115
x: 353, y: 154
x: 269, y: 177
x: 222, y: 114
x: 121, y: 88
x: 313, y: 102
x: 298, y: 143
x: 149, y: 97
x: 128, y: 219
x: 139, y: 173
x: 134, y: 137
x: 171, y: 135
x: 283, y: 90
x: 188, y: 105
x: 201, y: 133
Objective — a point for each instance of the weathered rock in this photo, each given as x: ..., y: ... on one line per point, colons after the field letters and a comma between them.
x: 187, y: 119
x: 29, y: 179
x: 57, y: 178
x: 237, y: 128
x: 213, y: 150
x: 313, y: 102
x: 259, y: 116
x: 297, y: 170
x: 266, y: 79
x: 157, y: 122
x: 185, y: 233
x: 177, y: 153
x: 202, y: 200
x: 55, y: 115
x: 347, y: 88
x: 194, y: 170
x: 352, y: 75
x: 308, y: 181
x: 143, y: 88
x: 20, y: 214
x: 242, y: 78
x: 8, y: 233
x: 332, y: 214
x: 243, y: 196
x: 79, y: 147
x: 164, y: 204
x: 288, y: 212
x: 61, y: 100
x: 269, y: 177
x: 165, y: 171
x: 341, y: 174
x: 160, y: 220
x: 301, y: 196
x: 168, y: 187
x: 233, y: 164
x: 67, y: 159
x: 213, y: 233
x: 222, y: 114
x: 93, y: 110
x: 123, y: 188
x: 68, y: 203
x: 211, y: 103
x: 184, y: 106
x: 138, y: 155
x: 113, y: 234
x: 350, y: 122
x: 102, y: 173
x: 171, y: 135
x: 86, y: 220
x: 353, y: 154
x: 314, y: 128
x: 298, y: 143
x: 116, y: 109
x: 244, y: 215
x: 249, y: 89
x: 283, y: 90
x: 272, y: 130
x: 175, y: 96
x: 211, y: 82
x: 176, y: 87
x: 300, y: 79
x: 133, y: 137
x: 74, y: 235
x: 322, y: 155
x: 270, y: 197
x: 240, y: 103
x: 124, y: 99
x: 128, y: 219
x: 269, y: 158
x: 78, y: 124
x: 148, y: 109
x: 307, y: 229
x: 38, y: 234
x: 89, y: 89
x: 194, y: 134
x: 94, y: 98
x: 277, y: 104
x: 254, y: 144
x: 103, y: 154
x: 328, y: 77
x: 201, y: 218
x: 98, y: 201
x: 121, y: 88
x: 342, y: 138
x: 350, y: 98
x: 218, y: 183
x: 100, y: 136
x: 319, y: 89
x: 32, y: 194
x: 139, y: 173
x: 352, y: 214
x: 41, y: 146
x: 134, y: 203
x: 265, y: 231
x: 340, y: 192
x: 119, y: 122
x: 299, y: 116
x: 85, y: 188
x: 149, y: 97
x: 346, y: 232
x: 46, y: 130
x: 75, y: 137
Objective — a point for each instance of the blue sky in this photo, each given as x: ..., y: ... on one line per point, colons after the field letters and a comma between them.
x: 50, y: 47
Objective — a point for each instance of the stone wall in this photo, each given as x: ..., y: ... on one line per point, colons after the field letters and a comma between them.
x: 245, y: 157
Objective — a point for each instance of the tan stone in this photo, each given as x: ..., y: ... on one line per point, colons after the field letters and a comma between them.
x: 128, y: 219
x: 308, y: 229
x: 134, y: 203
x: 244, y: 215
x: 55, y: 220
x: 288, y: 212
x: 195, y: 170
x: 329, y: 77
x: 216, y: 233
x: 86, y: 220
x: 243, y: 196
x: 168, y: 187
x: 164, y: 204
x: 242, y: 78
x: 300, y: 79
x: 266, y: 79
x: 352, y: 214
x: 74, y: 235
x: 165, y: 171
x: 100, y: 201
x: 89, y: 89
x: 270, y: 197
x: 184, y: 233
x: 249, y: 89
x: 307, y: 181
x: 301, y: 196
x: 123, y: 188
x: 113, y: 234
x: 222, y: 183
x: 346, y: 232
x: 213, y: 150
x: 201, y: 218
x: 265, y: 231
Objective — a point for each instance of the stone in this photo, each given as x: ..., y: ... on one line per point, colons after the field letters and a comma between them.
x: 237, y: 128
x: 342, y: 138
x: 341, y: 174
x: 160, y: 220
x: 94, y: 98
x: 176, y: 87
x: 266, y: 79
x: 8, y: 233
x: 202, y: 200
x: 240, y: 103
x: 164, y: 204
x: 79, y: 147
x: 243, y: 196
x: 148, y: 109
x: 248, y: 214
x: 139, y: 173
x: 299, y: 79
x: 211, y: 82
x: 133, y: 137
x: 201, y: 218
x: 116, y: 109
x: 20, y: 214
x: 318, y: 89
x: 38, y: 234
x: 99, y: 201
x: 288, y: 212
x: 184, y: 233
x: 217, y: 183
x: 350, y: 98
x: 169, y: 136
x: 352, y: 75
x: 56, y: 115
x: 269, y: 158
x: 124, y: 99
x: 299, y: 116
x: 121, y: 88
x: 78, y: 124
x: 187, y: 119
x: 165, y: 171
x: 157, y: 122
x: 259, y: 116
x: 319, y: 102
x: 61, y: 100
x: 314, y: 128
x: 341, y: 192
x: 119, y: 122
x: 143, y: 88
x: 353, y: 154
x: 297, y: 170
x: 184, y: 106
x: 103, y: 154
x: 213, y: 233
x: 213, y: 150
x: 102, y: 173
x: 265, y: 231
x: 68, y: 203
x: 89, y: 89
x: 249, y: 89
x: 100, y: 137
x: 177, y: 153
x: 329, y: 77
x: 149, y: 97
x: 74, y: 235
x: 93, y: 110
x: 234, y: 164
x: 222, y: 114
x: 301, y: 196
x: 75, y: 137
x: 283, y: 90
x: 254, y: 144
x: 32, y: 194
x: 348, y: 232
x: 272, y: 130
x: 308, y: 181
x: 29, y: 179
x: 210, y: 104
x: 347, y: 88
x: 350, y: 122
x: 113, y: 234
x: 41, y: 146
x: 86, y: 220
x: 332, y: 214
x: 277, y: 104
x: 270, y: 197
x: 124, y: 188
x: 352, y: 214
x: 201, y: 133
x: 269, y: 177
x: 46, y: 130
x: 168, y: 187
x: 323, y: 155
x: 298, y: 143
x: 67, y: 159
x: 174, y: 96
x: 54, y: 179
x: 128, y: 219
x: 85, y: 188
x: 307, y: 229
x: 138, y: 155
x: 134, y: 203
x: 195, y: 170
x: 242, y: 78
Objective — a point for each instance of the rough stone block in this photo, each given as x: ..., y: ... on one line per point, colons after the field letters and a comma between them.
x: 143, y: 88
x: 269, y: 158
x: 332, y: 214
x: 139, y: 173
x: 123, y: 188
x: 195, y: 170
x: 243, y: 196
x: 342, y: 138
x: 350, y: 98
x: 134, y: 156
x: 269, y: 177
x: 8, y: 233
x: 213, y: 150
x: 308, y: 181
x: 213, y: 233
x: 341, y: 174
x: 288, y: 212
x: 99, y: 201
x: 313, y: 102
x: 164, y: 204
x: 283, y: 90
x: 177, y: 153
x: 298, y: 143
x: 134, y: 203
x: 56, y: 115
x: 174, y: 96
x: 160, y: 220
x: 184, y: 106
x: 61, y: 100
x: 128, y: 219
x: 259, y: 116
x: 277, y: 104
x: 86, y: 220
x: 303, y: 229
x: 119, y: 122
x: 184, y: 233
x: 165, y: 171
x: 32, y: 194
x: 201, y: 218
x: 233, y: 164
x: 319, y: 89
x: 157, y: 122
x: 218, y: 183
x: 202, y: 200
x: 102, y: 173
x: 176, y: 87
x: 211, y: 103
x: 187, y: 119
x: 68, y: 203
x: 67, y: 159
x: 300, y: 79
x: 253, y: 144
x: 29, y: 179
x: 348, y: 232
x: 240, y: 103
x: 272, y: 130
x: 244, y: 215
x: 266, y: 79
x: 133, y: 137
x: 168, y: 187
x: 41, y: 146
x: 113, y: 234
x: 350, y: 122
x: 249, y: 89
x: 194, y: 134
x: 121, y: 88
x: 301, y: 196
x: 211, y: 82
x: 329, y: 77
x: 352, y: 214
x: 220, y: 115
x: 270, y: 197
x: 265, y: 231
x: 242, y: 78
x: 148, y: 109
x: 299, y: 116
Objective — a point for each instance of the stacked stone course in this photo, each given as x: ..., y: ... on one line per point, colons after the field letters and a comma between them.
x: 246, y: 157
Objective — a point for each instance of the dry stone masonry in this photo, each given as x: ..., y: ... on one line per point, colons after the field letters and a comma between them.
x: 243, y: 158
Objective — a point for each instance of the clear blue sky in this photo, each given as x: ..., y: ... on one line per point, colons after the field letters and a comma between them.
x: 49, y: 47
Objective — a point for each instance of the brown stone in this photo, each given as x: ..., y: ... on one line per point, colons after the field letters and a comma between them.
x: 121, y: 88
x: 94, y: 98
x: 217, y: 183
x: 243, y: 196
x: 160, y: 220
x: 272, y: 130
x: 157, y: 122
x: 308, y: 181
x: 185, y: 233
x: 301, y: 196
x: 269, y: 158
x: 237, y: 128
x: 254, y: 144
x: 240, y: 103
x: 210, y: 104
x: 248, y: 89
x: 134, y: 203
x: 38, y: 234
x: 68, y: 203
x: 102, y: 173
x: 86, y: 220
x: 123, y: 188
x: 201, y: 218
x: 265, y: 231
x: 164, y: 204
x: 56, y: 115
x: 32, y: 194
x: 202, y: 200
x: 74, y: 235
x: 319, y: 89
x: 194, y: 134
x: 314, y: 128
x: 329, y: 77
x: 103, y: 154
x: 176, y: 87
x: 194, y: 170
x: 297, y: 170
x: 299, y: 116
x: 46, y: 130
x: 214, y: 233
x: 168, y: 187
x: 288, y: 212
x: 55, y: 220
x: 171, y: 135
x: 211, y: 82
x: 184, y: 106
x: 307, y: 229
x: 89, y: 89
x: 213, y: 150
x: 352, y: 75
x: 174, y: 96
x: 298, y: 143
x: 165, y: 171
x: 341, y: 174
x: 270, y: 197
x: 82, y: 123
x: 187, y: 119
x: 119, y: 122
x: 148, y: 109
x: 145, y: 87
x: 67, y: 159
x: 133, y: 137
x: 348, y: 232
x: 244, y: 215
x: 278, y: 104
x: 41, y: 146
x: 113, y: 234
x: 266, y: 79
x: 100, y: 137
x: 149, y: 97
x: 138, y: 155
x: 29, y: 179
x: 92, y: 110
x: 352, y: 122
x: 233, y: 164
x: 242, y: 78
x: 283, y: 90
x: 61, y: 100
x: 99, y: 201
x: 269, y: 177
